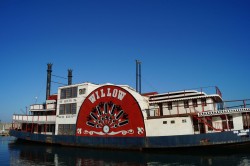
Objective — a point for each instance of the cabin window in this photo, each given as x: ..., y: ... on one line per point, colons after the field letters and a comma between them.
x: 186, y: 105
x: 50, y: 128
x: 196, y: 124
x: 68, y: 93
x: 203, y: 102
x: 63, y: 94
x: 194, y: 102
x: 66, y: 129
x: 184, y: 120
x: 82, y: 91
x: 165, y: 122
x: 230, y: 121
x: 224, y: 121
x: 160, y: 109
x: 170, y: 106
x: 209, y: 124
x: 246, y: 120
x: 172, y: 122
x: 67, y: 109
x: 60, y: 129
x: 61, y: 109
x: 73, y: 108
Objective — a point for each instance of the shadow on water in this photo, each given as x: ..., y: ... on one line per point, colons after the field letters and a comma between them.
x: 23, y: 153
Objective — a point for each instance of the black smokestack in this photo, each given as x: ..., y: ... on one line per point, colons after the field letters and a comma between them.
x: 70, y: 76
x: 48, y: 87
x: 138, y: 76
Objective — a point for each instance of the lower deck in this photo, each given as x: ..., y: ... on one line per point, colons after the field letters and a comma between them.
x: 183, y: 124
x: 160, y: 142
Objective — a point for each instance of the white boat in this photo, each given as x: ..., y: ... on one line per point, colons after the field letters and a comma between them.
x: 117, y: 116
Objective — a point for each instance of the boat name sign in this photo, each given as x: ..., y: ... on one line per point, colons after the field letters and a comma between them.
x: 108, y: 92
x: 110, y: 111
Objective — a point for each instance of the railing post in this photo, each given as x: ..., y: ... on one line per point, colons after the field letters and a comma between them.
x: 38, y: 125
x: 32, y: 126
x: 177, y: 107
x: 46, y: 125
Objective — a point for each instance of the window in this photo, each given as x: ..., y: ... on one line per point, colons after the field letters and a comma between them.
x: 82, y: 91
x: 184, y: 120
x: 196, y: 124
x: 194, y: 102
x: 69, y: 93
x: 66, y: 129
x: 73, y: 108
x: 50, y: 128
x: 203, y: 102
x: 210, y: 124
x: 61, y: 109
x: 186, y: 105
x: 227, y: 122
x: 63, y: 94
x: 230, y: 121
x: 246, y: 120
x: 67, y: 109
x: 170, y: 106
x: 60, y: 129
x: 172, y: 122
x: 165, y: 122
x: 74, y: 92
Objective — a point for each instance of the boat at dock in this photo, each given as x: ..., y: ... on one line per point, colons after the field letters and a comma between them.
x: 120, y: 117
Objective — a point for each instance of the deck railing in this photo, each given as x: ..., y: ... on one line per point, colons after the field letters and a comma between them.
x: 37, y: 119
x: 179, y: 108
x: 42, y: 107
x: 233, y: 104
x: 201, y: 90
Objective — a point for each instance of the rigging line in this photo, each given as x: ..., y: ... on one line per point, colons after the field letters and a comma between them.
x: 149, y: 84
x: 58, y: 76
x: 58, y: 83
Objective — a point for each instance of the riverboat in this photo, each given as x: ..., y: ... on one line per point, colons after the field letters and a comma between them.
x: 118, y: 116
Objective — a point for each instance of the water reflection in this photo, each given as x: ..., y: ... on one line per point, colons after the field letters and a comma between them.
x: 34, y: 154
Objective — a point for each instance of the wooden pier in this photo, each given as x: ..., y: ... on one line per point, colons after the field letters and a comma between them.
x: 4, y: 129
x: 4, y: 134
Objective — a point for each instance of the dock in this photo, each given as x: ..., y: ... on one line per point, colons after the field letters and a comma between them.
x: 4, y: 129
x: 4, y: 134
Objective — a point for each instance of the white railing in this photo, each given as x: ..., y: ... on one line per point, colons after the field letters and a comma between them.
x: 51, y: 106
x: 40, y: 107
x: 35, y: 119
x: 36, y: 107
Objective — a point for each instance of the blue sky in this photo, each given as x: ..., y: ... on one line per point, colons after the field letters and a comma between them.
x: 181, y: 44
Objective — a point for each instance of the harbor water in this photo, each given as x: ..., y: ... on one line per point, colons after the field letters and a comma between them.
x: 17, y: 153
